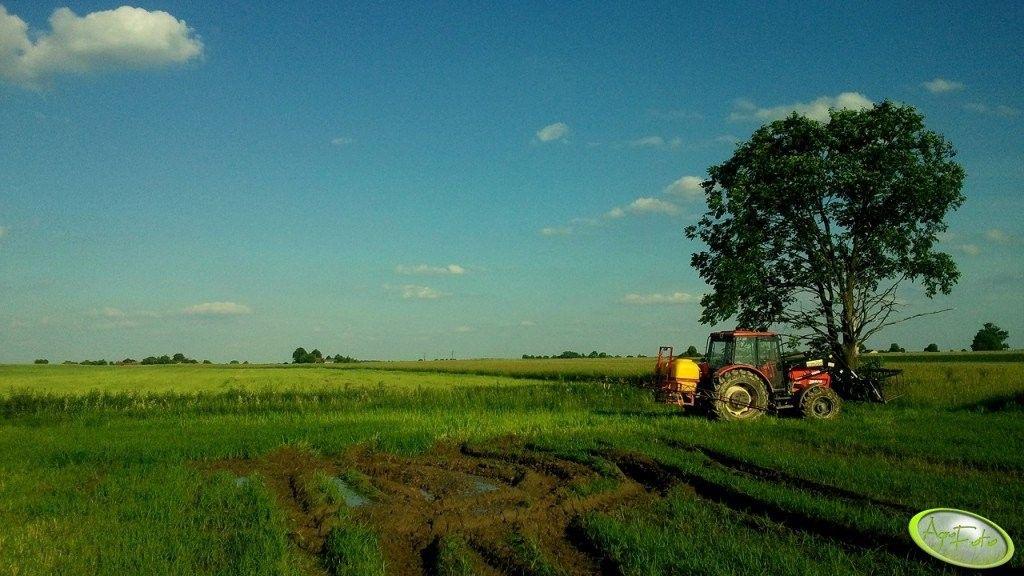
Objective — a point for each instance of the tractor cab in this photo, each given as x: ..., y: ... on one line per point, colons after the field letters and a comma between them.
x: 758, y: 350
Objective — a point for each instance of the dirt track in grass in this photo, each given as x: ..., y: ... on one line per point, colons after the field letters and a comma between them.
x: 512, y: 506
x: 494, y: 498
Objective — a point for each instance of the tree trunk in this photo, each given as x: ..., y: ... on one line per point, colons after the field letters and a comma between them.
x: 851, y: 354
x: 850, y: 328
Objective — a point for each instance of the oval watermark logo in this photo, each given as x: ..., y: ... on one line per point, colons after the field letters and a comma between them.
x: 961, y: 538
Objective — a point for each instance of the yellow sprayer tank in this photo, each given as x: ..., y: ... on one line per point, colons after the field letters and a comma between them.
x: 686, y: 374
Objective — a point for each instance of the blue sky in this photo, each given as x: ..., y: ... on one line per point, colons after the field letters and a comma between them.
x: 400, y: 180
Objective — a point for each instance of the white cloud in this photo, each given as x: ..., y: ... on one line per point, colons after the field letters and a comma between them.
x: 675, y: 114
x: 969, y: 249
x: 659, y: 299
x: 412, y: 291
x: 218, y: 309
x: 109, y: 312
x: 645, y: 205
x: 553, y: 132
x: 117, y: 318
x: 1000, y: 110
x: 642, y: 205
x: 655, y: 142
x: 998, y: 236
x: 527, y: 323
x: 817, y: 109
x: 116, y: 324
x: 464, y: 329
x: 123, y: 38
x: 556, y: 231
x: 342, y: 141
x: 427, y: 270
x: 687, y: 187
x: 648, y: 142
x: 940, y: 85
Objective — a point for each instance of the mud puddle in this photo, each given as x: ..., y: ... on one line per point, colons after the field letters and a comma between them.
x: 493, y: 498
x: 351, y: 497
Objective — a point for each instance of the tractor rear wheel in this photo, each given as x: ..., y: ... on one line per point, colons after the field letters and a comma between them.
x: 820, y: 403
x: 739, y: 395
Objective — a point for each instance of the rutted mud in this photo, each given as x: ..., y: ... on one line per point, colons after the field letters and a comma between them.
x: 500, y: 499
x: 512, y: 507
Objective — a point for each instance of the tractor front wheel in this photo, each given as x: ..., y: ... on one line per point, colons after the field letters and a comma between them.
x: 739, y: 395
x: 820, y: 403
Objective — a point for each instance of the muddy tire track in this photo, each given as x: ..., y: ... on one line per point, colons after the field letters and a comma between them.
x: 518, y: 507
x: 742, y: 467
x: 663, y: 477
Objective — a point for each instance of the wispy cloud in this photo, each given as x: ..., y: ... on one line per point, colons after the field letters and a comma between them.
x: 655, y: 141
x: 969, y: 249
x: 123, y: 38
x: 659, y: 299
x: 674, y: 114
x: 556, y: 231
x: 109, y: 312
x: 639, y: 206
x: 999, y: 236
x: 112, y: 313
x: 553, y: 132
x: 647, y: 205
x: 1000, y: 110
x: 342, y: 141
x: 464, y: 329
x: 111, y: 318
x: 428, y: 270
x: 687, y: 188
x: 648, y: 142
x: 416, y: 292
x: 116, y: 324
x: 745, y: 110
x: 217, y: 309
x: 642, y: 205
x: 941, y: 85
x: 3, y: 231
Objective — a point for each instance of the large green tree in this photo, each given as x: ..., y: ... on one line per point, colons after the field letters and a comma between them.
x: 816, y: 225
x: 990, y: 337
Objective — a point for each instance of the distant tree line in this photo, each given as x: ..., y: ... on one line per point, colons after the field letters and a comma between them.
x: 300, y: 356
x: 571, y: 354
x: 990, y: 338
x: 178, y: 358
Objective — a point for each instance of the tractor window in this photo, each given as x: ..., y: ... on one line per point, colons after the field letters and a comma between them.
x: 767, y: 351
x: 718, y: 353
x: 746, y: 352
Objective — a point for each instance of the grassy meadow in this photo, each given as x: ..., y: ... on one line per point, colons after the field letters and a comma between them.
x: 198, y: 469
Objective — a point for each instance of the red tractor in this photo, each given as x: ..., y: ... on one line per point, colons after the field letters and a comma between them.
x: 743, y: 375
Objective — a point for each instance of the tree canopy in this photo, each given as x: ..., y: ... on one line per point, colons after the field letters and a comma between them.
x: 816, y: 225
x: 990, y: 337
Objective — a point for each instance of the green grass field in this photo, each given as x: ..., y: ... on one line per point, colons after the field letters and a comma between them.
x: 483, y: 467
